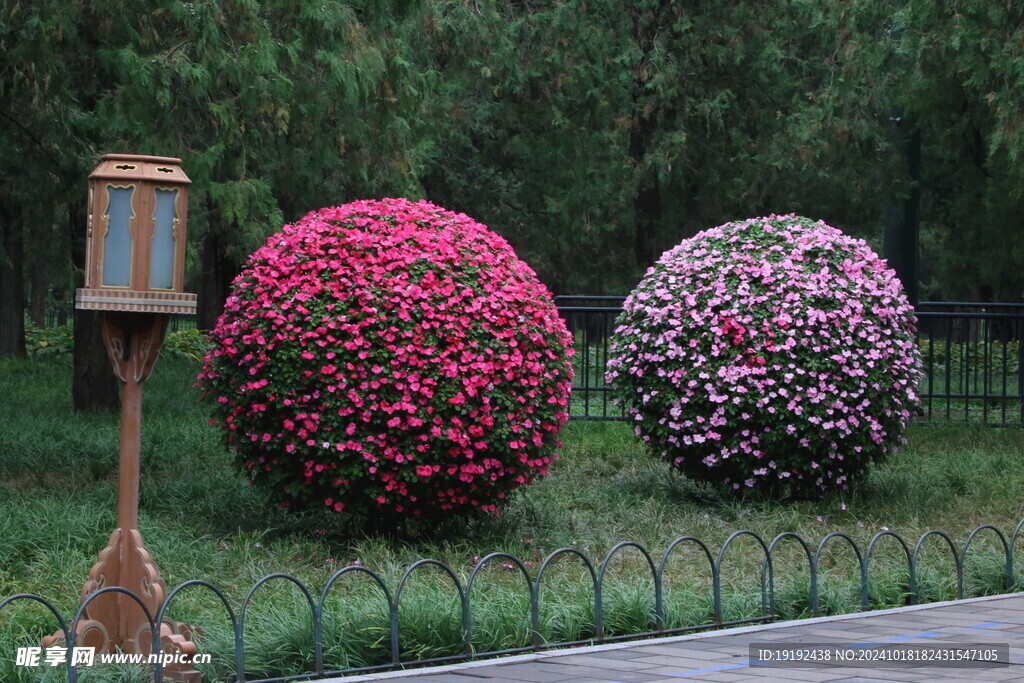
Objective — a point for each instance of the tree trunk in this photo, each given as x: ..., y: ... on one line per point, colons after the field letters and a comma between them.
x: 40, y: 289
x: 901, y: 220
x: 647, y: 209
x: 12, y: 286
x: 93, y: 385
x: 217, y: 272
x: 94, y: 388
x: 647, y: 200
x: 39, y: 235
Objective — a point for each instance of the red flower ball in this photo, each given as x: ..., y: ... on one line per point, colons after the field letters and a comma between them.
x: 389, y: 358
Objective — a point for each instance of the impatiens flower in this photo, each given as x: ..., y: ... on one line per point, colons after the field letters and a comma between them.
x: 771, y: 353
x: 389, y: 358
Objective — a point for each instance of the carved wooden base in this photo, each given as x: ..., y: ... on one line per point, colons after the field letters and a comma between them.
x: 133, y: 343
x: 114, y: 620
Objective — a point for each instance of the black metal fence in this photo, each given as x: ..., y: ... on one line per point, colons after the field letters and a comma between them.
x: 61, y: 315
x: 591, y: 321
x: 596, y: 577
x: 973, y: 359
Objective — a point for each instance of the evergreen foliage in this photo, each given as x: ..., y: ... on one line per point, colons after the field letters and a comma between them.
x: 592, y: 135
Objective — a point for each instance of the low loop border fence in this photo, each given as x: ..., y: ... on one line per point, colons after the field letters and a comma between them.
x: 597, y: 576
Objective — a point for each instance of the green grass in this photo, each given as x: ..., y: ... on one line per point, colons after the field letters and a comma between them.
x: 200, y: 519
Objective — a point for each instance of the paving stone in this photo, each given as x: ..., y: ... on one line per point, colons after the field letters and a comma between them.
x: 775, y: 634
x: 622, y: 653
x: 657, y: 648
x: 840, y: 637
x: 974, y: 635
x: 672, y: 679
x: 450, y: 678
x: 803, y: 675
x: 837, y: 626
x: 585, y: 671
x: 738, y: 641
x: 688, y: 663
x: 535, y: 672
x: 731, y: 676
x: 908, y: 674
x: 607, y: 663
x: 696, y: 653
x: 684, y: 662
x: 722, y: 670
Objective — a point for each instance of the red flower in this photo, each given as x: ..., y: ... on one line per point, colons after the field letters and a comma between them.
x: 390, y: 347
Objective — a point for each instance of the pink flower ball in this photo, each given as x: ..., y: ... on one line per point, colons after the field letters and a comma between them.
x: 773, y: 353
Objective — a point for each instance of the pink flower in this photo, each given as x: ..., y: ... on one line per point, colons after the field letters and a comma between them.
x: 788, y: 337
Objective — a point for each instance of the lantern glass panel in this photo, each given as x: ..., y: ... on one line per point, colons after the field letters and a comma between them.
x: 161, y: 267
x: 117, y: 243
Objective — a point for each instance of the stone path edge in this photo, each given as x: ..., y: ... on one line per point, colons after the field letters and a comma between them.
x: 605, y: 647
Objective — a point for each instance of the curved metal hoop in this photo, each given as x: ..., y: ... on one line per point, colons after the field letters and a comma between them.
x: 660, y: 608
x: 912, y: 587
x: 245, y: 606
x: 392, y: 608
x: 812, y: 569
x: 530, y: 587
x: 957, y: 560
x: 604, y: 568
x: 1008, y: 571
x: 860, y: 563
x: 540, y: 577
x: 718, y: 572
x: 463, y: 601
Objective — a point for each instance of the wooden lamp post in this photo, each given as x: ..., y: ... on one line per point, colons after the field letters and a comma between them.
x: 135, y: 277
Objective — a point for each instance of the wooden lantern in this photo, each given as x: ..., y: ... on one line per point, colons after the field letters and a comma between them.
x: 135, y: 249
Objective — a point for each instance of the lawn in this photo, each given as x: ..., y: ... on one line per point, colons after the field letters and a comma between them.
x: 201, y: 520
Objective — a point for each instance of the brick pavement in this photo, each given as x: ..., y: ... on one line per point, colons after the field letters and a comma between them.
x: 725, y: 655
